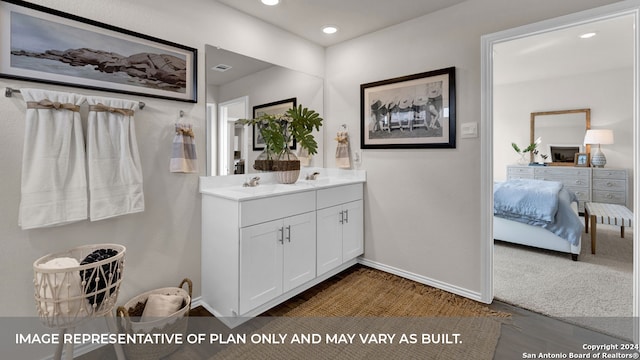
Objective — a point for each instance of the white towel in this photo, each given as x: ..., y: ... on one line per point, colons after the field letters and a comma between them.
x: 183, y: 151
x: 342, y: 150
x: 114, y: 170
x: 54, y: 186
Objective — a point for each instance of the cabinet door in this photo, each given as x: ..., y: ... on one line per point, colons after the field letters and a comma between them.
x: 352, y: 237
x: 299, y: 250
x: 329, y: 240
x: 260, y: 264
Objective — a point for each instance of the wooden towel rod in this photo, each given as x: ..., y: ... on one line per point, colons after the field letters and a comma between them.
x: 8, y: 92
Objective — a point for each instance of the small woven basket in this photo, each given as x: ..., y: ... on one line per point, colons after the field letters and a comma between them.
x: 175, y: 323
x: 67, y: 296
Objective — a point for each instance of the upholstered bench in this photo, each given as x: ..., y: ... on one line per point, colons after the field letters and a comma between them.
x: 610, y: 214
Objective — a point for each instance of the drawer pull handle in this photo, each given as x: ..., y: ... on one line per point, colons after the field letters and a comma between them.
x: 346, y: 216
x: 281, y: 235
x: 341, y: 217
x: 288, y: 233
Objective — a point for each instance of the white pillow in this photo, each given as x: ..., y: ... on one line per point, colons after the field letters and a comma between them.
x: 159, y: 306
x: 54, y: 286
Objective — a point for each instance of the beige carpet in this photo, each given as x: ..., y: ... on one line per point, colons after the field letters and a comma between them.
x: 368, y: 301
x: 595, y: 291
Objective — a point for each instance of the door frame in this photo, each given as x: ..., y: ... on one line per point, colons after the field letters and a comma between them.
x: 624, y: 8
x: 223, y: 130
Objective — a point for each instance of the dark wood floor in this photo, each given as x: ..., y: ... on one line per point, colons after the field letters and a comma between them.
x: 525, y: 333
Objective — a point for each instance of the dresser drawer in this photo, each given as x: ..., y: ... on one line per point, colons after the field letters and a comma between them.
x: 581, y: 181
x: 609, y: 174
x: 582, y: 194
x: 609, y: 185
x: 563, y: 171
x: 609, y: 197
x: 520, y: 172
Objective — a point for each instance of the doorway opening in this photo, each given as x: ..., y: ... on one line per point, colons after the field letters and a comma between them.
x: 495, y: 154
x: 233, y: 147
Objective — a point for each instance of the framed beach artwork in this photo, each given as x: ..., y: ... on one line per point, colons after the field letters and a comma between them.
x: 49, y: 46
x: 414, y: 111
x: 272, y: 108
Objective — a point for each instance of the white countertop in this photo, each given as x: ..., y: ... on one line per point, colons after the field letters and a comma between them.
x: 231, y: 187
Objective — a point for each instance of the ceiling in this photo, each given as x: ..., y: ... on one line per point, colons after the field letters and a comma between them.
x: 240, y: 65
x: 548, y: 55
x: 353, y: 17
x: 563, y: 53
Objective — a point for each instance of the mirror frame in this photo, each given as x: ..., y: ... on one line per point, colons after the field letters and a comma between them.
x: 532, y: 137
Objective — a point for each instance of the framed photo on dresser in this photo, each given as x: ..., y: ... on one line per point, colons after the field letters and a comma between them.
x: 581, y: 159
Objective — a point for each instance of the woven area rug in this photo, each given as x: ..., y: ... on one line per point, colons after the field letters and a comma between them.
x: 595, y: 291
x: 367, y: 302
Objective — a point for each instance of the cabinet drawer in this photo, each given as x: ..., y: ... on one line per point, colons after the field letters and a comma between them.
x: 610, y: 197
x: 338, y: 195
x: 609, y: 174
x: 581, y: 181
x: 518, y: 176
x: 563, y: 171
x: 609, y: 185
x: 581, y: 193
x: 524, y: 172
x: 276, y: 207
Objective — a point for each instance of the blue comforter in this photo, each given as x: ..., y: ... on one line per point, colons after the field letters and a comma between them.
x: 541, y: 203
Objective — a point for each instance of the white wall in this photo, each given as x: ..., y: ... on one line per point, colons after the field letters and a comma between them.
x: 163, y: 242
x: 609, y: 95
x: 421, y: 206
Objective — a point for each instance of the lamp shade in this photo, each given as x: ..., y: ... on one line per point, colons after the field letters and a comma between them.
x: 598, y: 136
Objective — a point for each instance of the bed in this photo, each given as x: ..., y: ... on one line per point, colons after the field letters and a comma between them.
x: 537, y: 213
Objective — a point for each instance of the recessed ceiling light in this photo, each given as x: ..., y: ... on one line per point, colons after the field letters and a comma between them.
x: 329, y: 29
x: 587, y: 35
x: 270, y: 2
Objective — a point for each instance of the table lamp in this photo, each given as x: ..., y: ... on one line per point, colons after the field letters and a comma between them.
x: 599, y: 137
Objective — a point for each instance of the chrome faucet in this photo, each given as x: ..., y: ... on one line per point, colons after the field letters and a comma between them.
x: 312, y: 176
x: 254, y: 181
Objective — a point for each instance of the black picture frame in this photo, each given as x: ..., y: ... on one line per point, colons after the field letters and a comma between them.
x: 272, y: 108
x: 409, y: 112
x: 49, y: 46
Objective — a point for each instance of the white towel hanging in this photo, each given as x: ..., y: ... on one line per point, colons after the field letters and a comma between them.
x: 114, y: 169
x: 54, y: 187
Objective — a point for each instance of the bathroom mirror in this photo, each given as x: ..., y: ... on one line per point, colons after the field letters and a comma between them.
x: 235, y: 84
x: 561, y: 133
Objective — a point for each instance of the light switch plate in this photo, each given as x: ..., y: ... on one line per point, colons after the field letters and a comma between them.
x: 469, y: 130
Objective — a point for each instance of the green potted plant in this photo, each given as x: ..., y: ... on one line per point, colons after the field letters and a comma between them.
x: 278, y: 131
x: 532, y: 149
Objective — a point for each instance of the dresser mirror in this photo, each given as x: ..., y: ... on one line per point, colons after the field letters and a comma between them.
x: 561, y: 134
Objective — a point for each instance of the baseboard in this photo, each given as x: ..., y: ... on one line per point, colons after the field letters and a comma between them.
x: 473, y: 295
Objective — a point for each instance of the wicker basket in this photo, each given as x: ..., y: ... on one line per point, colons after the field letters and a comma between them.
x: 64, y: 298
x: 175, y: 323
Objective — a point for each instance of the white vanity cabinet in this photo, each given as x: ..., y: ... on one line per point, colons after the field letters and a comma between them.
x: 340, y: 226
x: 264, y: 245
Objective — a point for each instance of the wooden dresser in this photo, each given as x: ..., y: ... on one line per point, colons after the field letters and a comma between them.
x: 603, y: 185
